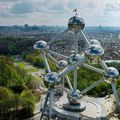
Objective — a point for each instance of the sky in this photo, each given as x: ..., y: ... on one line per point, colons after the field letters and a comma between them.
x: 57, y: 12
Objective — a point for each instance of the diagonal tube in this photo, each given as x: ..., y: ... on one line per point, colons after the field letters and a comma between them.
x: 46, y: 62
x: 115, y: 94
x: 93, y: 68
x: 57, y: 54
x: 57, y: 36
x: 85, y: 38
x: 92, y: 86
x: 68, y: 69
x: 104, y: 66
x: 51, y: 57
x: 66, y: 90
x: 68, y: 81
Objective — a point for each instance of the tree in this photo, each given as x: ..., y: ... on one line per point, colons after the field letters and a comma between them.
x: 16, y: 98
x: 35, y: 59
x: 10, y: 75
x: 28, y: 103
x: 5, y: 101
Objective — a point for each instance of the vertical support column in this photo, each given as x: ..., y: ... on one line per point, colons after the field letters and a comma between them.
x: 115, y: 93
x: 76, y: 43
x: 45, y: 103
x: 75, y: 69
x: 75, y: 79
x: 51, y: 103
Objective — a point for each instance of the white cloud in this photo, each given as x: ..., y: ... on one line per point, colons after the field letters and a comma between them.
x: 55, y: 12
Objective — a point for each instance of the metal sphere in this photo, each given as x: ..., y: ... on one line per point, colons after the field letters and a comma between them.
x: 111, y: 74
x: 94, y: 53
x: 74, y: 97
x: 62, y: 64
x: 41, y: 45
x: 94, y: 41
x: 52, y: 79
x: 75, y: 58
x: 75, y: 23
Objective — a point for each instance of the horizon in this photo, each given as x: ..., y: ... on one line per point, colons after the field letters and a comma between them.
x: 54, y: 26
x: 57, y: 12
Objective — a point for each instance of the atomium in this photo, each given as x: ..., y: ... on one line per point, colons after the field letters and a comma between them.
x: 74, y: 97
x: 75, y: 58
x: 70, y: 104
x: 94, y: 50
x: 75, y: 23
x: 62, y: 64
x: 111, y: 74
x: 41, y: 45
x: 94, y: 53
x: 94, y: 41
x: 52, y: 79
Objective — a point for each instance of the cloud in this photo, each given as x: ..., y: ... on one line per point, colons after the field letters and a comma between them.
x: 111, y: 7
x: 112, y: 11
x: 55, y: 12
x: 22, y: 8
x: 6, y: 0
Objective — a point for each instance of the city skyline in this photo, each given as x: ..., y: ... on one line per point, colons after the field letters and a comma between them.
x: 57, y: 12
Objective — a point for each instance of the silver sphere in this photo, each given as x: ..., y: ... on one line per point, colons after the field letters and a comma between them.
x: 75, y: 23
x: 62, y: 64
x: 41, y: 45
x: 52, y: 79
x: 94, y: 53
x: 94, y: 41
x: 74, y: 97
x: 111, y: 74
x: 75, y: 58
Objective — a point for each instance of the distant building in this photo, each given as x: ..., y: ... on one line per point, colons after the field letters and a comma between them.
x: 26, y: 27
x: 119, y: 36
x: 100, y: 28
x: 35, y: 28
x: 15, y: 27
x: 111, y: 35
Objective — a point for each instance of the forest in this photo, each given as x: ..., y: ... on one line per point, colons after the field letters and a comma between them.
x: 17, y: 91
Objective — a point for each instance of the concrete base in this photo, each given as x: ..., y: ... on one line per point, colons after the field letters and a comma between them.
x: 75, y: 108
x: 92, y: 111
